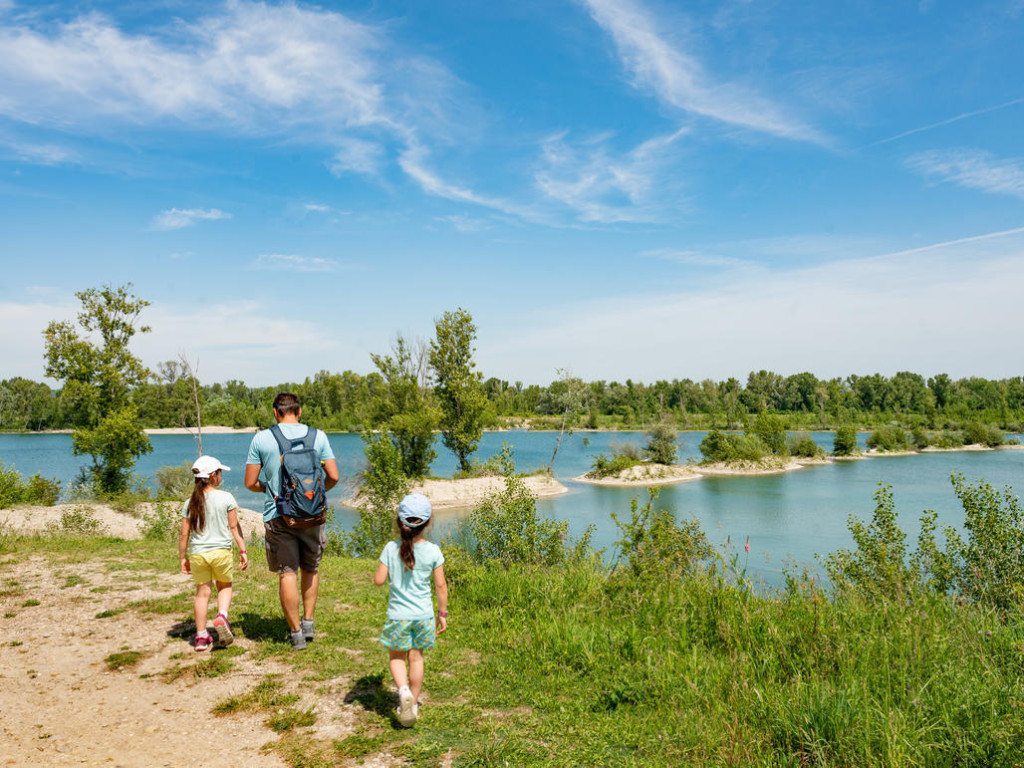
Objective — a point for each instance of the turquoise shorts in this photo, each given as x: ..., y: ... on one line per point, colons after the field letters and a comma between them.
x: 405, y: 634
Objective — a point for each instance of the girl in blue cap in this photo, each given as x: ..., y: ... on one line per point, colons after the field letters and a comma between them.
x: 406, y: 566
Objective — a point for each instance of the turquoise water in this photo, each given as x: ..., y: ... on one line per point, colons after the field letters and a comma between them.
x: 789, y: 518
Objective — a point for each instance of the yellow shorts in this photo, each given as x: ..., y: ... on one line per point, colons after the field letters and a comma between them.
x: 212, y: 565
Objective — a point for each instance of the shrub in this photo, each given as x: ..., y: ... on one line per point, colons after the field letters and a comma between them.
x: 384, y: 485
x: 161, y: 523
x: 877, y: 569
x: 949, y: 439
x: 505, y: 527
x: 604, y: 466
x: 920, y: 437
x: 661, y: 442
x: 175, y: 482
x: 892, y: 437
x: 36, y: 490
x: 654, y: 545
x: 803, y: 445
x: 77, y: 521
x: 845, y: 441
x: 720, y: 446
x: 772, y: 432
x: 987, y: 567
x: 983, y: 434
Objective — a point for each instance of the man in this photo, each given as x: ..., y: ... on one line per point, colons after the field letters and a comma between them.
x: 290, y: 550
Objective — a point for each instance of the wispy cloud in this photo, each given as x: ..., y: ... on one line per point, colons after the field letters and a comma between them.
x: 973, y: 169
x: 876, y: 313
x: 179, y: 218
x: 603, y: 187
x: 299, y: 72
x: 283, y: 262
x: 317, y: 207
x: 695, y: 258
x: 38, y: 154
x: 948, y: 121
x: 357, y: 156
x: 679, y: 80
x: 464, y: 223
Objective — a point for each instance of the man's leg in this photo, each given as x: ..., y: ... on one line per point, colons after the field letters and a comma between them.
x: 289, y: 594
x: 310, y: 589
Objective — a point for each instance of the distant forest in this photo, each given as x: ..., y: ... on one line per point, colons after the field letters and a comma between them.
x: 352, y: 402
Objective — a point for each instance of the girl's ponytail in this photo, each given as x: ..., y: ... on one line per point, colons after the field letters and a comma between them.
x: 406, y: 550
x: 197, y: 504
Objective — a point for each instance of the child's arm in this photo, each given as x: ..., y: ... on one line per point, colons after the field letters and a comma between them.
x: 442, y: 599
x: 186, y: 566
x: 236, y: 534
x: 380, y: 578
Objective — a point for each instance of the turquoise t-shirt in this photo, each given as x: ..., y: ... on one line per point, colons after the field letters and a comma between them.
x: 409, y: 599
x: 216, y: 532
x: 263, y: 450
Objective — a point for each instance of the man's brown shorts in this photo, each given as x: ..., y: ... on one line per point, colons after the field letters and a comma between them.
x: 289, y: 549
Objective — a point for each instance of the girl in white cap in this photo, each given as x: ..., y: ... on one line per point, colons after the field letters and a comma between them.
x: 410, y: 629
x: 209, y: 521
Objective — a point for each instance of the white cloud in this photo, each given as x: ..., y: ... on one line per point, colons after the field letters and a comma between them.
x: 953, y: 307
x: 464, y: 223
x: 695, y: 258
x: 317, y: 207
x: 179, y: 218
x: 40, y: 154
x: 357, y: 156
x: 604, y: 188
x: 306, y: 74
x: 973, y: 169
x: 678, y: 79
x: 284, y: 262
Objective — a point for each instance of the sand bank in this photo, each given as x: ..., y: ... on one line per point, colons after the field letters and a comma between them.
x: 458, y: 494
x: 644, y: 475
x: 766, y: 466
x: 214, y: 430
x: 36, y: 519
x: 971, y: 447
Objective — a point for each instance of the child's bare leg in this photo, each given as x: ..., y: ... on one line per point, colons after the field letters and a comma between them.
x: 202, y: 604
x: 223, y: 597
x: 397, y: 663
x: 415, y: 672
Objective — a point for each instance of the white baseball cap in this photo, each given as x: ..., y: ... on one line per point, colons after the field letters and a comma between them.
x: 205, y: 466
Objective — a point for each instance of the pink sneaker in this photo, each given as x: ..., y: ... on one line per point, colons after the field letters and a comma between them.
x: 203, y: 642
x: 223, y: 630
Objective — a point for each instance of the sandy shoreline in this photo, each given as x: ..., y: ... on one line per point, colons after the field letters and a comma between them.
x: 468, y: 492
x: 36, y: 519
x: 645, y: 475
x: 206, y: 430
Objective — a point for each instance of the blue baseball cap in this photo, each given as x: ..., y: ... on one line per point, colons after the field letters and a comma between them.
x: 415, y: 506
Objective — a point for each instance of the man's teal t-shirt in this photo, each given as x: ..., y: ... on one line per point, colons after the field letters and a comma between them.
x: 216, y: 532
x: 263, y: 450
x: 409, y: 599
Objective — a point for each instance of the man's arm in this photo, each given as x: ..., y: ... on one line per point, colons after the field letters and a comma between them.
x: 252, y: 478
x: 331, y: 470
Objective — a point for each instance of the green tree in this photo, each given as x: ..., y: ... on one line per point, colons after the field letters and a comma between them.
x: 565, y: 399
x: 772, y: 432
x: 845, y: 441
x: 95, y: 363
x: 403, y: 407
x: 661, y: 441
x: 459, y: 386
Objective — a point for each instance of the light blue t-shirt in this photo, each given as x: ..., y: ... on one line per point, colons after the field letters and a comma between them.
x: 409, y: 599
x: 263, y: 450
x: 216, y: 532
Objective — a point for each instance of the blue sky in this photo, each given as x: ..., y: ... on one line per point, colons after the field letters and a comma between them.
x: 624, y: 188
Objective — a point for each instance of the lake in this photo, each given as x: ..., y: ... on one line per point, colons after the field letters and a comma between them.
x: 789, y: 518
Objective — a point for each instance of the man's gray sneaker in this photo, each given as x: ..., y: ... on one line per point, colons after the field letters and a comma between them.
x: 308, y: 630
x: 298, y: 640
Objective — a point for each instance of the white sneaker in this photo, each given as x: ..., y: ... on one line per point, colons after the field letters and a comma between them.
x: 406, y: 707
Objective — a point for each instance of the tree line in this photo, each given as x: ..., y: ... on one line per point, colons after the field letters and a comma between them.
x: 351, y: 401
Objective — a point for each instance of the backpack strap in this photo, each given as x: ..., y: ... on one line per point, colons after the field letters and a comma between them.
x: 309, y: 441
x: 282, y: 442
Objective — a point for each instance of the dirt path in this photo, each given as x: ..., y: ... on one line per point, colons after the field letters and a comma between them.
x: 61, y: 705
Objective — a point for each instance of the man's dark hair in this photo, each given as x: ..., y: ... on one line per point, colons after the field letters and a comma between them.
x: 287, y: 404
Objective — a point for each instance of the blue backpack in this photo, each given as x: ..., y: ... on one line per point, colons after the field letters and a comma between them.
x: 303, y: 499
